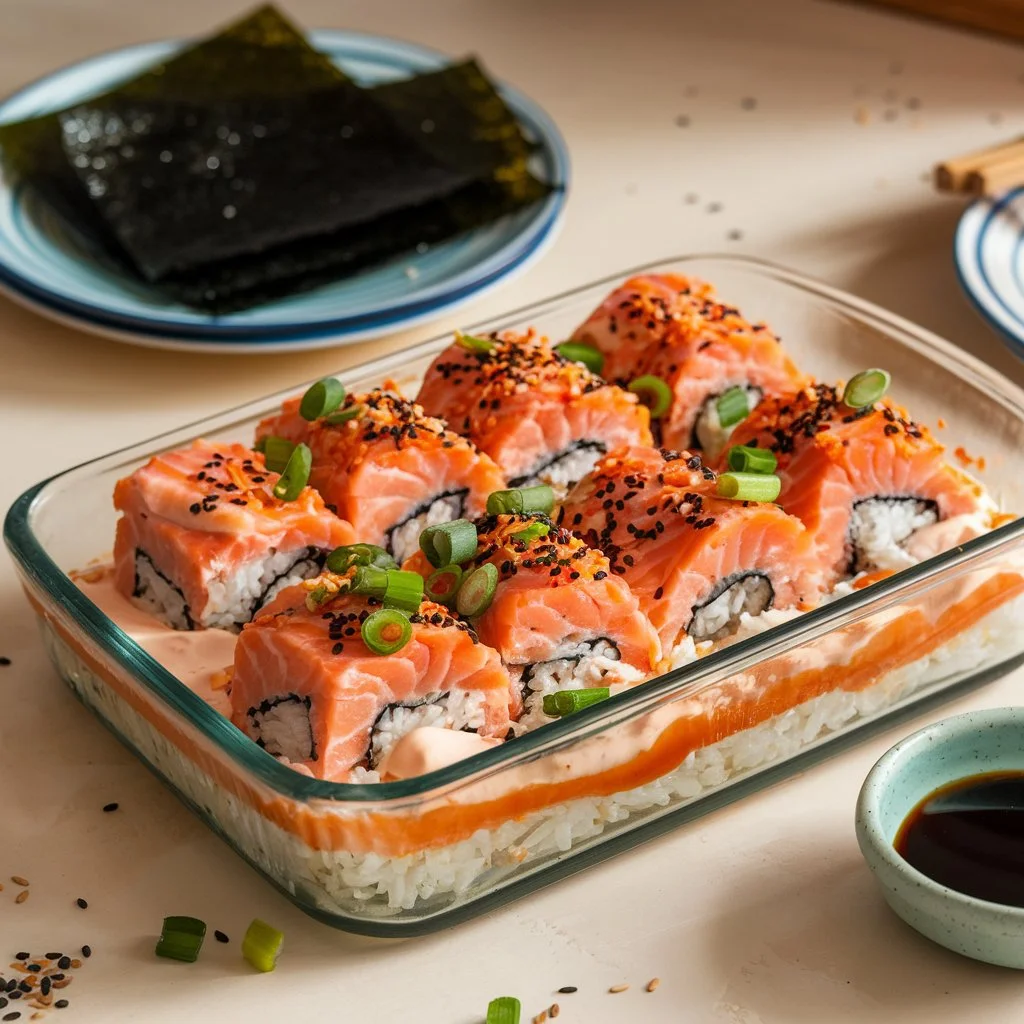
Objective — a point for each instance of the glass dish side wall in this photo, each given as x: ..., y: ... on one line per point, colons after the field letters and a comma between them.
x: 349, y: 853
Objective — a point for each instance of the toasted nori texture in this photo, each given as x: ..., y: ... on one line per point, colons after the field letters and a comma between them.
x: 459, y: 138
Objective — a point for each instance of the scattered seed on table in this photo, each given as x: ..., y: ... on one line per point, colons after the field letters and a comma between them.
x: 82, y: 903
x: 13, y: 1015
x: 107, y: 808
x: 18, y: 880
x: 4, y: 662
x: 75, y: 963
x: 567, y: 990
x: 3, y: 1002
x: 913, y: 103
x: 691, y: 197
x: 714, y: 207
x: 22, y: 896
x: 217, y: 934
x: 541, y: 1017
x: 735, y: 235
x: 64, y: 963
x: 87, y: 951
x: 44, y: 986
x: 748, y: 103
x: 53, y: 956
x: 616, y: 989
x: 653, y: 984
x: 61, y: 1003
x: 683, y: 121
x: 555, y: 1010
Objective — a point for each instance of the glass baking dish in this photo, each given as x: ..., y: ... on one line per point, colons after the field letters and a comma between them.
x: 409, y: 857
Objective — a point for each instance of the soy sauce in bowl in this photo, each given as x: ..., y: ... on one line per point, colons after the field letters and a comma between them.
x: 969, y: 836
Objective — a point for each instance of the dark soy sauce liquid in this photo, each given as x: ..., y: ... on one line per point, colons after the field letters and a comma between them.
x: 979, y: 853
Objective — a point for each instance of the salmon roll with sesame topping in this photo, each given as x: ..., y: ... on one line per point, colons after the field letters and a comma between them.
x: 868, y: 482
x: 697, y: 562
x: 205, y: 540
x: 328, y: 679
x: 551, y: 607
x: 699, y: 363
x: 635, y: 317
x: 387, y: 467
x: 542, y: 418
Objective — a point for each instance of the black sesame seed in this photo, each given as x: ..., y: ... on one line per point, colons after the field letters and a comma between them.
x: 5, y: 661
x: 61, y: 1003
x: 44, y: 986
x: 218, y: 935
x: 3, y: 1002
x: 34, y: 968
x: 87, y: 951
x: 195, y: 508
x: 82, y: 903
x: 13, y: 1015
x: 567, y: 990
x: 53, y: 956
x: 107, y: 808
x: 64, y: 963
x: 748, y: 103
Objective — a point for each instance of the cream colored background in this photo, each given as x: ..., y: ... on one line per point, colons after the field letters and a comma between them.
x: 760, y: 914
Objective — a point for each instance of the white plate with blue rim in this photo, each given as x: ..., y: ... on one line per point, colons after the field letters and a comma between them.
x: 989, y: 254
x: 41, y: 267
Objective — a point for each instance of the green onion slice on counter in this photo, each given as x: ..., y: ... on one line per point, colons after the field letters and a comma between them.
x: 262, y: 945
x: 744, y: 459
x: 477, y: 591
x: 521, y: 499
x: 654, y: 393
x: 732, y: 406
x: 386, y: 631
x: 342, y: 559
x: 404, y: 591
x: 321, y: 398
x: 577, y: 352
x: 749, y: 486
x: 866, y: 388
x: 443, y: 584
x: 276, y: 452
x: 473, y: 344
x: 335, y: 419
x: 532, y: 532
x: 504, y: 1010
x: 567, y: 702
x: 181, y: 938
x: 295, y: 474
x: 449, y: 542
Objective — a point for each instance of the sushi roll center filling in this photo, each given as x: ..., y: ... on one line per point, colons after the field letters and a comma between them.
x: 880, y: 528
x: 456, y: 709
x: 749, y: 593
x: 560, y: 470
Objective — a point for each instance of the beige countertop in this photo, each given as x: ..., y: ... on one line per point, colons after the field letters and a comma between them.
x: 763, y: 913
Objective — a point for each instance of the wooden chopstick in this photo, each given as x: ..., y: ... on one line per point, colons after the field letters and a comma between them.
x: 984, y: 172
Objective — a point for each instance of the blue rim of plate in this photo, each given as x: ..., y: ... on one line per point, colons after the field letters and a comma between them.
x: 366, y: 57
x: 988, y: 250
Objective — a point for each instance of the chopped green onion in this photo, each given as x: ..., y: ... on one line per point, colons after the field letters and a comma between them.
x: 567, y: 702
x: 504, y: 1010
x: 449, y: 542
x: 295, y: 474
x: 181, y: 938
x: 443, y: 584
x: 404, y: 590
x: 386, y: 631
x: 321, y: 398
x: 521, y: 499
x: 532, y: 532
x: 317, y: 596
x: 745, y: 459
x: 654, y: 393
x: 733, y: 406
x: 344, y: 415
x: 370, y: 581
x: 749, y: 486
x: 577, y: 352
x: 342, y: 559
x: 260, y: 445
x: 866, y: 388
x: 472, y: 344
x: 477, y: 591
x: 276, y: 453
x: 262, y: 945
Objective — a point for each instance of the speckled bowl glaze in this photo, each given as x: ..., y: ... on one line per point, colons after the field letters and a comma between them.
x: 955, y: 748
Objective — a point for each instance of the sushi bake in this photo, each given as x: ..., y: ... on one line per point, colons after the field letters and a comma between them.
x: 206, y: 536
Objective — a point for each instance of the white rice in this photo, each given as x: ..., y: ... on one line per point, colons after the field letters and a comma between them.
x: 370, y: 886
x: 456, y: 709
x: 404, y: 540
x: 715, y: 620
x: 233, y: 599
x: 711, y: 435
x: 880, y: 529
x: 284, y: 729
x: 561, y: 471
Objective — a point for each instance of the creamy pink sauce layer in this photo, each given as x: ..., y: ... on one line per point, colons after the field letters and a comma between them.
x: 199, y: 659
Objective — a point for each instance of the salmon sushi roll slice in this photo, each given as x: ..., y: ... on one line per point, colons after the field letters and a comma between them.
x: 542, y: 418
x: 635, y: 317
x: 557, y: 615
x: 309, y: 690
x: 864, y: 481
x: 697, y: 562
x: 203, y: 542
x: 389, y: 469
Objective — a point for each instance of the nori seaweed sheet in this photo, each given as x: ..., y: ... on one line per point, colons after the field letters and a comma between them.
x: 454, y: 115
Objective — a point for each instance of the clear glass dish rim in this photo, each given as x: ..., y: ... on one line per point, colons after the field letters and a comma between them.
x: 32, y: 559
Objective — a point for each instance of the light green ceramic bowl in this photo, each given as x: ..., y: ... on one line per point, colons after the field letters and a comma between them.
x: 955, y: 748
